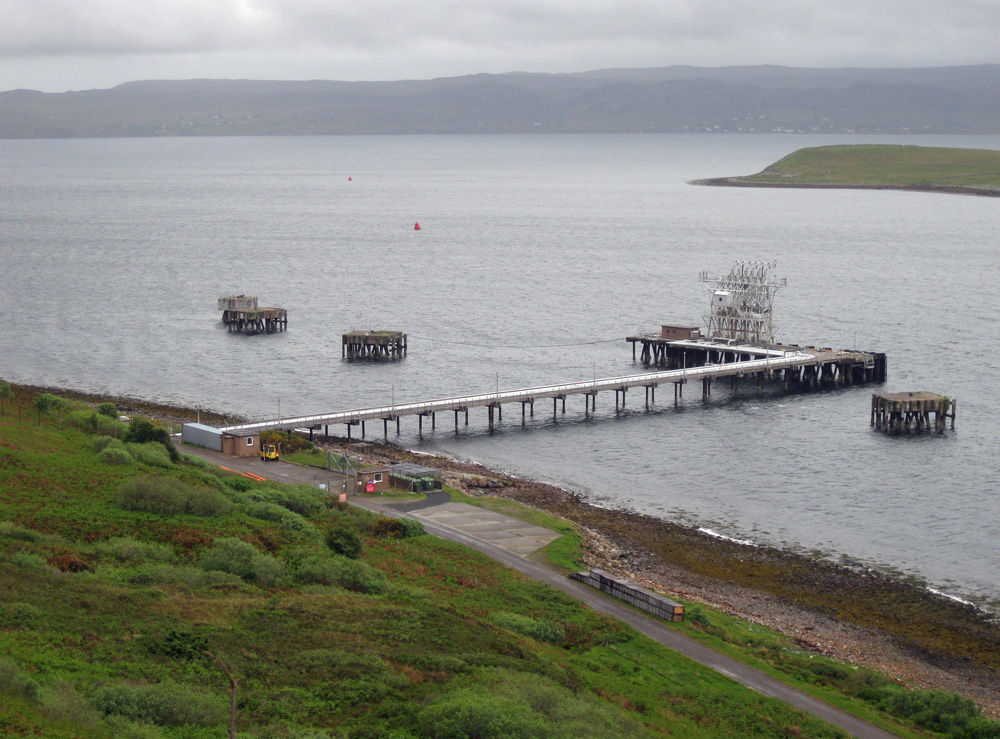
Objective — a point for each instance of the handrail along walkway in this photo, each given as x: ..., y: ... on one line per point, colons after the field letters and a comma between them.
x: 774, y: 361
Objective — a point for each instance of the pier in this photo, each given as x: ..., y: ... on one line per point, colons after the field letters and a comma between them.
x: 800, y: 368
x: 242, y: 315
x: 843, y: 366
x: 896, y: 412
x: 373, y: 344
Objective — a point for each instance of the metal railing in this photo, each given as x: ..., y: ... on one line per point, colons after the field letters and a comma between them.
x: 649, y: 379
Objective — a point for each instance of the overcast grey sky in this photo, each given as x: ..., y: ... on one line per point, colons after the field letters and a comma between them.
x: 57, y: 45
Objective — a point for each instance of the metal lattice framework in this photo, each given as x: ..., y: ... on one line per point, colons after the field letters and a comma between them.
x: 743, y: 304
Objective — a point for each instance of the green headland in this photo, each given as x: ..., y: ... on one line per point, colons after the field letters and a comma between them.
x: 146, y: 593
x: 881, y: 166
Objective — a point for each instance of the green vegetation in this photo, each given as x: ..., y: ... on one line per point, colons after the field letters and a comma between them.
x: 564, y: 553
x: 288, y: 443
x: 139, y: 599
x: 873, y: 165
x: 6, y: 394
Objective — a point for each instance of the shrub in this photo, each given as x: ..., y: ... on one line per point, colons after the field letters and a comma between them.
x: 180, y: 645
x: 67, y: 561
x: 410, y: 527
x: 150, y: 453
x: 111, y: 427
x: 130, y: 551
x: 164, y: 574
x: 695, y: 614
x: 502, y: 704
x: 19, y: 615
x: 166, y: 496
x: 302, y: 499
x: 163, y: 704
x: 936, y: 710
x: 206, y: 503
x: 478, y: 714
x: 277, y: 514
x: 45, y: 402
x: 239, y: 484
x: 34, y: 562
x: 979, y: 728
x: 387, y: 528
x: 102, y: 442
x: 10, y: 530
x: 152, y: 494
x: 352, y: 574
x: 306, y: 500
x: 828, y: 672
x: 115, y: 455
x: 84, y: 420
x: 288, y: 443
x: 123, y: 728
x: 63, y: 703
x: 194, y: 461
x: 343, y: 540
x: 13, y: 681
x: 142, y: 430
x: 397, y: 528
x: 109, y: 410
x: 239, y: 558
x: 526, y: 626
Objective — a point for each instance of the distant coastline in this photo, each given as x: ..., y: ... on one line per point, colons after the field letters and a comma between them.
x: 736, y: 182
x: 756, y: 99
x: 950, y: 170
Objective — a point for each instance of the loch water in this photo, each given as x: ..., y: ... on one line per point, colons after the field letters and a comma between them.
x: 536, y: 256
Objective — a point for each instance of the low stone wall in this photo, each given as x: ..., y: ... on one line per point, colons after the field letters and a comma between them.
x: 648, y: 601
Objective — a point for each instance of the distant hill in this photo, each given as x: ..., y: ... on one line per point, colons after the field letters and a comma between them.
x: 881, y: 166
x: 670, y: 99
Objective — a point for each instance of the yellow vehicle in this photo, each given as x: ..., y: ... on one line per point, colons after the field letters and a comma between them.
x: 269, y: 452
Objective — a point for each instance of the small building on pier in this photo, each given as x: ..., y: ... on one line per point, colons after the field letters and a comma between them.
x: 679, y: 332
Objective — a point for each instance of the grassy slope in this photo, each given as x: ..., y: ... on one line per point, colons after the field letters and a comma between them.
x: 307, y: 656
x: 874, y: 165
x: 337, y: 661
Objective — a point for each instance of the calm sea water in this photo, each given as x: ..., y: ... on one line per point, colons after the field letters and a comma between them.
x: 537, y: 256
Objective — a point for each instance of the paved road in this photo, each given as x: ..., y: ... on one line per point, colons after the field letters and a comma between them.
x: 650, y: 627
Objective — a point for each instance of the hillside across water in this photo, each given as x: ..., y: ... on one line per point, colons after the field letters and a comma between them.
x: 972, y: 171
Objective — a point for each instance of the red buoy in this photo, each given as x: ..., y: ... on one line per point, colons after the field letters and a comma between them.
x: 349, y: 179
x: 416, y: 226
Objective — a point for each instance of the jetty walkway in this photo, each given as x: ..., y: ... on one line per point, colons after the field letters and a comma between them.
x: 806, y: 366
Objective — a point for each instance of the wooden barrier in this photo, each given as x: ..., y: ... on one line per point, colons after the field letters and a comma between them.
x: 646, y: 600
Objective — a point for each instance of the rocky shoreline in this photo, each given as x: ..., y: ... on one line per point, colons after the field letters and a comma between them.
x: 869, y: 619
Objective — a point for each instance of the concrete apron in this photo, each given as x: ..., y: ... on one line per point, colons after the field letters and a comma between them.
x: 517, y: 537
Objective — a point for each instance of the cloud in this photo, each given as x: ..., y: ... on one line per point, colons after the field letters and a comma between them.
x: 341, y: 39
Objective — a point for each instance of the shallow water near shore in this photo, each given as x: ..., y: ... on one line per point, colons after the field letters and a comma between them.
x: 532, y: 250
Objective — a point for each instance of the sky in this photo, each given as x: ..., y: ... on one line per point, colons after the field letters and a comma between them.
x: 59, y: 45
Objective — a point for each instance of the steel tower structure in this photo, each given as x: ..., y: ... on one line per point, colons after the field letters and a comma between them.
x: 743, y: 304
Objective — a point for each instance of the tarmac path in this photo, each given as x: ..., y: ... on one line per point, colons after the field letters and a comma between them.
x: 515, y: 558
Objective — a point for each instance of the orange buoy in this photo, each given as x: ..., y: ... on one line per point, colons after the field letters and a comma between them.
x: 416, y: 226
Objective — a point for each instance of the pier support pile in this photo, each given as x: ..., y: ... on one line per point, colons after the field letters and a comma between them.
x: 373, y: 344
x: 242, y: 315
x: 895, y: 412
